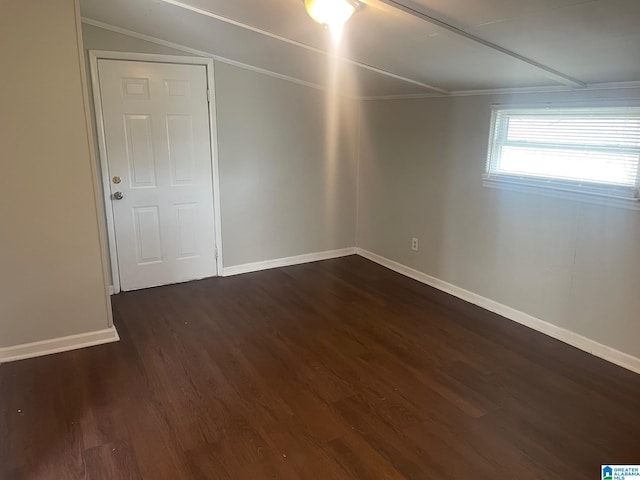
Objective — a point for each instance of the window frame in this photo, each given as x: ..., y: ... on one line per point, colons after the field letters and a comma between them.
x: 594, y: 192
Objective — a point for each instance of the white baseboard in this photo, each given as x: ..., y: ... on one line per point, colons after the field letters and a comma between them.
x: 111, y: 290
x: 287, y: 261
x: 56, y: 345
x: 583, y: 343
x: 588, y: 345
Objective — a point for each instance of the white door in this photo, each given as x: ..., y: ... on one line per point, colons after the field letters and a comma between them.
x: 157, y: 136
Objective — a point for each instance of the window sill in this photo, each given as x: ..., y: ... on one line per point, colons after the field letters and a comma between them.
x: 550, y: 191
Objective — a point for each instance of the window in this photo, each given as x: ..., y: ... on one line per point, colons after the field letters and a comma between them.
x: 584, y: 150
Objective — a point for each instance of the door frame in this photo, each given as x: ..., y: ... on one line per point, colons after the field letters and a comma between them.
x: 94, y: 56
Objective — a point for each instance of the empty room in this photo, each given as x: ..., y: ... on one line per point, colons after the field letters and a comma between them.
x: 320, y: 239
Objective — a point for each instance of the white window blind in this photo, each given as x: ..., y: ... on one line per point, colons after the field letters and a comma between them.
x: 585, y: 150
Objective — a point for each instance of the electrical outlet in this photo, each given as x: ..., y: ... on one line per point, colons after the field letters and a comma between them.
x: 414, y: 244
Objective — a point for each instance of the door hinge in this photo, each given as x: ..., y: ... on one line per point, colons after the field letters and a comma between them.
x: 215, y: 252
x: 209, y: 95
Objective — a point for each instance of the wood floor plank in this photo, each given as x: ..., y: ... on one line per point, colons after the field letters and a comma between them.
x: 111, y: 460
x: 338, y: 370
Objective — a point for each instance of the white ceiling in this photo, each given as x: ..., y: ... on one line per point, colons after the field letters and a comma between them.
x: 401, y: 51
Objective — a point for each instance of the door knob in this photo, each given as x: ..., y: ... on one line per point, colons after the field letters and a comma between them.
x: 118, y: 196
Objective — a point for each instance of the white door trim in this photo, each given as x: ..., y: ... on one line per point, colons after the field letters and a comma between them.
x: 94, y: 56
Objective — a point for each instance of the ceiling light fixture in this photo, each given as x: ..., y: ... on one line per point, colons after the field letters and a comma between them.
x: 333, y: 13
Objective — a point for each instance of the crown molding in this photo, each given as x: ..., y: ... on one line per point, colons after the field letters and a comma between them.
x: 305, y: 46
x: 513, y: 91
x: 453, y: 93
x: 407, y: 96
x: 548, y: 89
x: 202, y: 53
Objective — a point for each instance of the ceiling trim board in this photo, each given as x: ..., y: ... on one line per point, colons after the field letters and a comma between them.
x: 202, y: 53
x: 408, y: 96
x: 614, y: 85
x: 453, y: 93
x: 486, y: 91
x: 290, y: 41
x: 512, y: 91
x: 549, y: 89
x: 413, y: 9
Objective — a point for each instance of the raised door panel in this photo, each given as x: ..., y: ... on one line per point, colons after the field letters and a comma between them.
x: 157, y: 137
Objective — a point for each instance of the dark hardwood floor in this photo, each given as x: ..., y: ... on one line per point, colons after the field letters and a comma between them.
x: 332, y: 370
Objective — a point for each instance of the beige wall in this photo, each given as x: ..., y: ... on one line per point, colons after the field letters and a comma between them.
x: 569, y: 263
x: 51, y: 268
x: 287, y: 187
x: 286, y: 182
